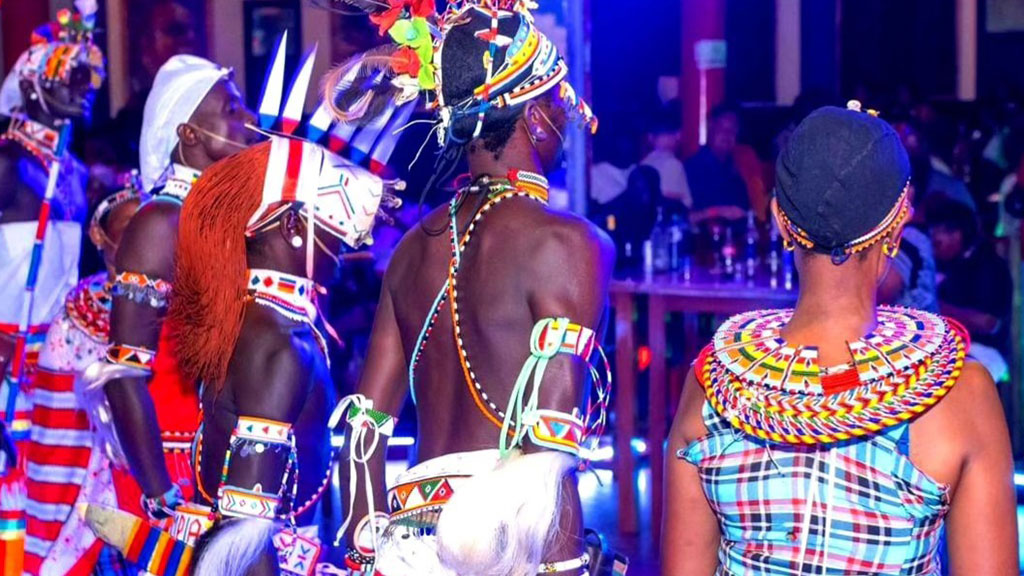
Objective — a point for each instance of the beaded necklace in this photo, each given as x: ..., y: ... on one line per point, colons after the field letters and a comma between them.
x: 769, y: 389
x: 517, y: 184
x: 37, y: 139
x: 179, y: 182
x: 88, y: 307
x: 288, y: 295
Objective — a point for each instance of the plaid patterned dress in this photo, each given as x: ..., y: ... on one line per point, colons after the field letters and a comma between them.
x: 859, y: 507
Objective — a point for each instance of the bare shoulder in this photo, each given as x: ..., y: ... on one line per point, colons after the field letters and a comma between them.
x: 150, y: 239
x: 570, y: 245
x: 689, y: 422
x: 966, y: 422
x: 410, y: 249
x: 271, y: 368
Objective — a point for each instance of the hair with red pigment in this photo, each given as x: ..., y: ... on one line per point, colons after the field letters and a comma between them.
x: 210, y: 278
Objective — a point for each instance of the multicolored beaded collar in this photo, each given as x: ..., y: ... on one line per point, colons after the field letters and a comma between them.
x: 288, y: 295
x: 771, y: 390
x: 37, y: 139
x: 88, y: 307
x: 179, y: 182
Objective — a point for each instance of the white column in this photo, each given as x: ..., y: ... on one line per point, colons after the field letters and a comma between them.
x: 787, y: 51
x: 966, y: 49
x: 117, y: 55
x: 225, y: 29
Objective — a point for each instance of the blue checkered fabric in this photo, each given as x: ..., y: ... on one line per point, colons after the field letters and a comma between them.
x: 853, y: 508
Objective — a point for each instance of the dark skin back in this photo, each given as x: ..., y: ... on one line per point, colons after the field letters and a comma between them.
x: 148, y: 247
x: 525, y: 262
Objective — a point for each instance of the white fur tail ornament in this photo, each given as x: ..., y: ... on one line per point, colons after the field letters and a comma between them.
x: 235, y: 546
x: 499, y: 523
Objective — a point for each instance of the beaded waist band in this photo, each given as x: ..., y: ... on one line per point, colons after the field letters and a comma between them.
x: 421, y: 492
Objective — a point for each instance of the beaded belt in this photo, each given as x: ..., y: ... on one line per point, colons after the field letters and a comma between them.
x: 421, y: 497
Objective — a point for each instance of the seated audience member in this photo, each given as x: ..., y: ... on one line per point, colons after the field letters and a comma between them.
x: 932, y: 185
x: 634, y: 211
x: 615, y: 159
x: 663, y: 141
x: 974, y: 283
x: 717, y: 187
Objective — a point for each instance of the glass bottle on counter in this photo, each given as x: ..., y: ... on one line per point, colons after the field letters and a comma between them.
x: 661, y: 243
x: 729, y: 253
x: 677, y: 233
x: 751, y: 241
x: 774, y: 256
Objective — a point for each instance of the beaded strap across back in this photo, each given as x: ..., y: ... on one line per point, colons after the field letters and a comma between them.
x: 771, y: 390
x: 518, y: 184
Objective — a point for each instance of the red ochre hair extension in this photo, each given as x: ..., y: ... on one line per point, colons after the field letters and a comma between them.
x: 208, y: 301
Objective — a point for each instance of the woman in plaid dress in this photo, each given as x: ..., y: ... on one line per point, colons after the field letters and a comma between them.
x: 839, y: 437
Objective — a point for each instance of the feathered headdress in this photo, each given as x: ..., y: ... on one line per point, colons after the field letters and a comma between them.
x: 241, y: 197
x: 363, y: 88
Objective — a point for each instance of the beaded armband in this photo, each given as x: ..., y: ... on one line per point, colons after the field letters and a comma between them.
x: 162, y: 507
x: 141, y: 289
x: 131, y: 356
x: 553, y: 429
x: 256, y: 436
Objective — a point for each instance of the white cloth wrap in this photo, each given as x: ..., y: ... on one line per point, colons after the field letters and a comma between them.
x: 58, y: 271
x: 180, y: 86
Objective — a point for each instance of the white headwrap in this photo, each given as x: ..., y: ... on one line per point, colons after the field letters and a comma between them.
x: 10, y: 92
x: 178, y: 89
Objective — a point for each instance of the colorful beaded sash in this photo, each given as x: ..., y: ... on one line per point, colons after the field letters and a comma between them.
x: 777, y: 392
x: 88, y: 307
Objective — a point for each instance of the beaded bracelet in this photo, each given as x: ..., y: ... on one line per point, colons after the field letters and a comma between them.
x: 358, y: 563
x: 162, y: 507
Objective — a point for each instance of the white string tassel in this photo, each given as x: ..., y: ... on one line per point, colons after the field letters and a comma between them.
x: 359, y: 454
x: 499, y: 523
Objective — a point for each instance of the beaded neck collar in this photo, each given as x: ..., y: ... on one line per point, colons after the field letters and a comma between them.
x: 531, y: 183
x: 180, y: 181
x: 38, y: 139
x: 292, y: 295
x: 767, y: 388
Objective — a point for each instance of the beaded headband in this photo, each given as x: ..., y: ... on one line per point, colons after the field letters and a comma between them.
x: 840, y: 254
x: 59, y: 47
x: 334, y: 193
x: 895, y: 217
x: 132, y: 191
